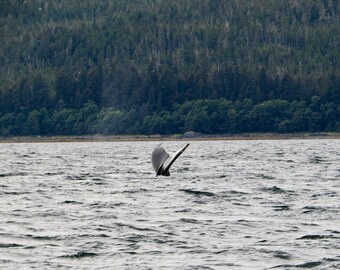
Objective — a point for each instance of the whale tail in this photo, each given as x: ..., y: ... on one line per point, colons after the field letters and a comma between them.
x: 162, y: 161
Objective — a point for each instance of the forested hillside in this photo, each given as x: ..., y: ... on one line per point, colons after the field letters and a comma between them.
x: 169, y: 66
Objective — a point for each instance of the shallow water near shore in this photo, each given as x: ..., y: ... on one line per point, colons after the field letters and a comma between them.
x: 270, y: 204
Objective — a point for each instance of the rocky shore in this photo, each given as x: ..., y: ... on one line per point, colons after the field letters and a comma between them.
x: 186, y: 136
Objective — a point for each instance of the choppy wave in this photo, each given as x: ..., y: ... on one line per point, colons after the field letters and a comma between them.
x: 226, y: 205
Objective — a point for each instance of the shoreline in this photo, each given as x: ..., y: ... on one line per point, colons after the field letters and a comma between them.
x: 184, y: 137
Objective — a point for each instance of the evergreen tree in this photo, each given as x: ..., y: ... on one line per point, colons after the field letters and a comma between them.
x: 31, y: 126
x: 94, y: 88
x: 65, y: 87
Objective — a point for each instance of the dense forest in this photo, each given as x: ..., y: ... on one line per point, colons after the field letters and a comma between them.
x: 169, y: 66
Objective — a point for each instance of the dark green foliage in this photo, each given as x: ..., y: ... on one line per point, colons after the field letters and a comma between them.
x: 45, y: 122
x: 31, y: 126
x: 211, y: 66
x: 65, y: 87
x: 217, y: 116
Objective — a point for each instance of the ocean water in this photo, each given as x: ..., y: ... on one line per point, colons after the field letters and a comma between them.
x: 271, y: 204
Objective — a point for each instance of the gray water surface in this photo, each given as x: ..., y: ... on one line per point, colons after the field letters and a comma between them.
x: 226, y: 205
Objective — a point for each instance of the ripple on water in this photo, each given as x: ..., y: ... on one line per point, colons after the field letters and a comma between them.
x: 10, y: 245
x: 198, y: 192
x: 317, y: 237
x: 227, y: 204
x: 79, y: 255
x: 309, y: 264
x: 71, y: 202
x: 275, y: 190
x: 313, y: 209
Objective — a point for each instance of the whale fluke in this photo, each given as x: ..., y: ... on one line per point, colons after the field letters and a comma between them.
x: 162, y: 161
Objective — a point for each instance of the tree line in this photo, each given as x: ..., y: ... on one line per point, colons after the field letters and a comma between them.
x: 217, y: 116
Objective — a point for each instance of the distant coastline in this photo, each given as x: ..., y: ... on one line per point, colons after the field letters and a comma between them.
x: 179, y: 137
